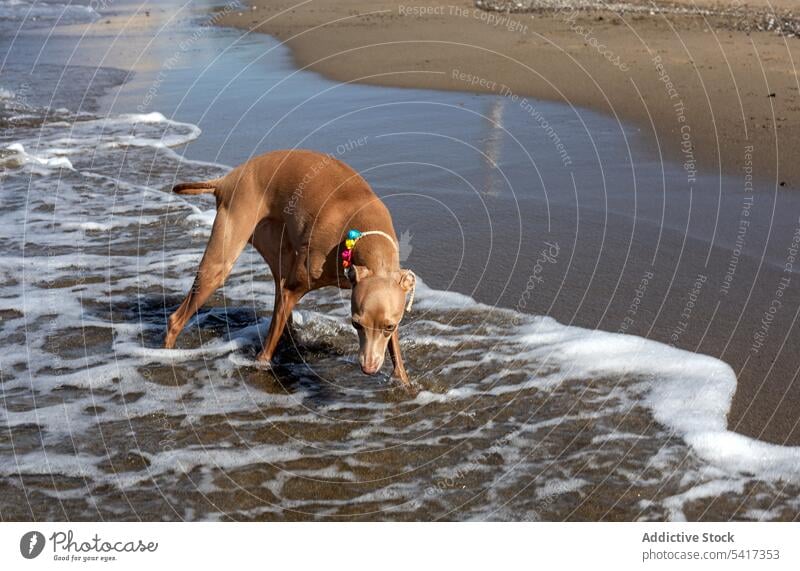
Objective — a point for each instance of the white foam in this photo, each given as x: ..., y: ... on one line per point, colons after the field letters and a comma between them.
x: 557, y: 487
x: 87, y: 138
x: 713, y: 489
x: 439, y: 300
x: 19, y: 157
x: 31, y: 12
x: 689, y: 393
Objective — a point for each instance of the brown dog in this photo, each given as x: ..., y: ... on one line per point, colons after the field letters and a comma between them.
x: 296, y: 208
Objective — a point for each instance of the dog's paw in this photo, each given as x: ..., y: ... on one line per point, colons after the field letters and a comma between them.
x: 412, y: 390
x: 409, y: 387
x: 263, y: 363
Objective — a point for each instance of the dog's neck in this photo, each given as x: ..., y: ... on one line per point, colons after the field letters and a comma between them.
x: 378, y: 254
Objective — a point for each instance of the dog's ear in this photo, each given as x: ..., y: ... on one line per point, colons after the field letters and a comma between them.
x: 357, y: 273
x: 407, y: 280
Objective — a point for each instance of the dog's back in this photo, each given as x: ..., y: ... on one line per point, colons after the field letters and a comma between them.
x: 313, y: 196
x: 286, y: 184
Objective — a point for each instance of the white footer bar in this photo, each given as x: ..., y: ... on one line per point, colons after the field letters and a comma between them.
x: 401, y: 546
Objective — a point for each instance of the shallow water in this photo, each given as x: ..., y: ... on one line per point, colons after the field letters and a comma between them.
x: 519, y: 417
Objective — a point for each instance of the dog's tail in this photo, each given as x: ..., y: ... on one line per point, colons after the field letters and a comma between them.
x: 202, y: 187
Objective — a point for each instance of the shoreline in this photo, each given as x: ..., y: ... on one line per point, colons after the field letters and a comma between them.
x: 672, y: 76
x: 731, y: 87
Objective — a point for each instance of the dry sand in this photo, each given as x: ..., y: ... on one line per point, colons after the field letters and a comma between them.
x: 724, y: 77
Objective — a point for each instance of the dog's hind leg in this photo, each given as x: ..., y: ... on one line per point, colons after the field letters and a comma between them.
x: 229, y: 235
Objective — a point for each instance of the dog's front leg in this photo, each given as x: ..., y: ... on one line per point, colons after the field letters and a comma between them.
x: 399, y: 371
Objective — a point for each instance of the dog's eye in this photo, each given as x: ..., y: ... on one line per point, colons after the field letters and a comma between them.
x: 357, y: 325
x: 391, y: 327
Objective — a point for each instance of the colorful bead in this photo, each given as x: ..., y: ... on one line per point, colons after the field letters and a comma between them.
x: 347, y: 255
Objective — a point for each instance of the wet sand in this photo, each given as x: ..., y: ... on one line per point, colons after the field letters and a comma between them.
x: 735, y: 93
x: 723, y: 77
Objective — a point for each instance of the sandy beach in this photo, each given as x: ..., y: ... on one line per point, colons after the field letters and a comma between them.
x: 737, y: 88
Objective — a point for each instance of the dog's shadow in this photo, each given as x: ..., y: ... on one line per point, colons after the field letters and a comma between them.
x: 306, y: 366
x: 319, y: 368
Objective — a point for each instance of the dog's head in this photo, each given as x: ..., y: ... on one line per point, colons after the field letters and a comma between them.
x: 377, y: 305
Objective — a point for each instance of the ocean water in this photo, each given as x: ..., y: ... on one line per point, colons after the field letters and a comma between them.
x: 519, y: 416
